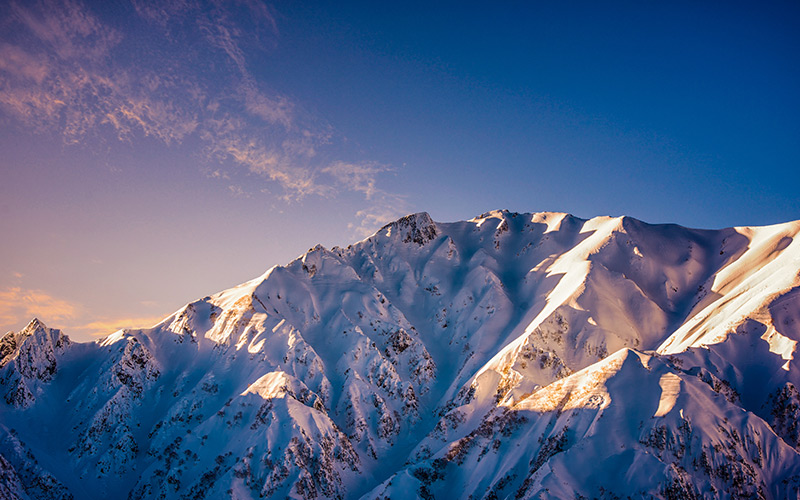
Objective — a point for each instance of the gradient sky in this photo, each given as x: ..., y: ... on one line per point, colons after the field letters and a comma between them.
x: 157, y: 152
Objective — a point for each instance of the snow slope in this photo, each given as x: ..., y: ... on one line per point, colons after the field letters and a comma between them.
x: 508, y: 356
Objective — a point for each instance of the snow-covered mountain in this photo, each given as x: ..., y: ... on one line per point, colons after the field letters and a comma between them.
x: 508, y: 356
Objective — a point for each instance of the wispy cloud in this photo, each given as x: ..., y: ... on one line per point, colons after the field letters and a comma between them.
x: 27, y: 67
x: 220, y: 35
x: 275, y: 109
x: 64, y: 80
x: 64, y: 70
x: 107, y: 326
x: 67, y: 28
x: 161, y: 12
x: 227, y: 141
x: 384, y: 208
x: 237, y: 191
x: 375, y: 216
x: 360, y: 177
x: 19, y: 305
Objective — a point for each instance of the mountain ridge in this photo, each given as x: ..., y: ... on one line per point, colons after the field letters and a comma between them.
x: 381, y: 369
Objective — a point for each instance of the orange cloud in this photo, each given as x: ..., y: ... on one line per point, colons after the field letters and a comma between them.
x: 19, y: 305
x: 108, y: 326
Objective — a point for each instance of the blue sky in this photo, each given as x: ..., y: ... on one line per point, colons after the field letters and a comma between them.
x: 156, y: 152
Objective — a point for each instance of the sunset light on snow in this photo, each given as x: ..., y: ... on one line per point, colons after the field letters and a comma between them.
x: 155, y: 152
x: 257, y: 249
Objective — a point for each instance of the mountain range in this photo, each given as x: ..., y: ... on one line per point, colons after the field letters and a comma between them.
x: 523, y: 356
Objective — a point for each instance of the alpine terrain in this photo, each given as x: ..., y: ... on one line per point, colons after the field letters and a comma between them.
x: 508, y: 356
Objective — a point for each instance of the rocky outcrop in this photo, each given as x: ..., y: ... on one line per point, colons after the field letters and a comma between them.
x: 29, y: 359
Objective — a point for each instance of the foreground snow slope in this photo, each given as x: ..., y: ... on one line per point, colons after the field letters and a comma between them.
x: 508, y: 356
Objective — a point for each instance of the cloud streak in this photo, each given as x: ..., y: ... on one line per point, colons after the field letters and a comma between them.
x: 64, y: 70
x: 104, y: 327
x: 359, y: 177
x: 19, y: 305
x: 63, y: 80
x: 68, y: 29
x: 385, y: 209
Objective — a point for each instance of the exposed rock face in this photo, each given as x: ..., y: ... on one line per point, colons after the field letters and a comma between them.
x: 28, y: 359
x: 509, y: 356
x: 415, y: 228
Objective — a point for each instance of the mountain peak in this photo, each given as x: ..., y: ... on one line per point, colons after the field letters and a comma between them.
x: 36, y: 333
x: 28, y: 359
x: 497, y: 214
x: 32, y: 326
x: 418, y: 228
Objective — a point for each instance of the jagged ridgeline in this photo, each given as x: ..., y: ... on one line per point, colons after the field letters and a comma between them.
x: 508, y: 356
